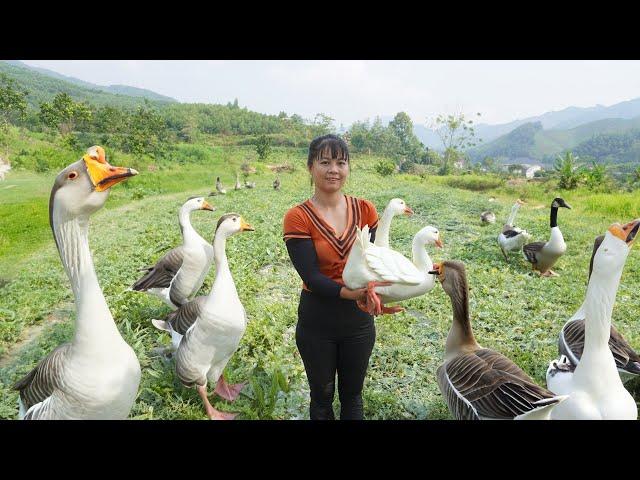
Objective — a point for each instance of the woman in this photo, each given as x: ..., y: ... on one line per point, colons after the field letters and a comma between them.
x: 333, y: 334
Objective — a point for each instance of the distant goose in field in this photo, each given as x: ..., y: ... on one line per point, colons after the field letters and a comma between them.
x: 179, y: 274
x: 571, y: 344
x: 541, y: 255
x: 219, y: 188
x: 237, y: 186
x: 396, y: 206
x: 488, y: 217
x: 96, y: 376
x: 594, y: 388
x: 276, y: 183
x: 512, y: 238
x: 206, y: 332
x: 248, y: 184
x: 478, y: 383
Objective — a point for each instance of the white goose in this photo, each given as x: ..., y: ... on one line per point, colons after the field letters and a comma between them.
x: 571, y: 343
x: 219, y: 324
x: 396, y: 206
x: 595, y: 389
x: 180, y: 273
x: 371, y: 266
x: 394, y: 293
x: 512, y: 238
x: 96, y: 376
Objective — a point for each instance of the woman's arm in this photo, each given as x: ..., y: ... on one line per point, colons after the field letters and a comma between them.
x: 305, y: 260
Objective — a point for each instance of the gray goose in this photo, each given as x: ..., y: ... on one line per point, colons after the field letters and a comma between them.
x: 237, y: 186
x: 219, y: 188
x: 478, y: 383
x: 206, y: 332
x: 544, y: 255
x: 180, y: 273
x: 488, y: 217
x: 97, y: 374
x: 512, y: 238
x: 571, y: 341
x: 276, y: 183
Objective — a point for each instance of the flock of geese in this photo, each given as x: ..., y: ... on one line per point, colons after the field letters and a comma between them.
x: 220, y: 190
x: 97, y: 374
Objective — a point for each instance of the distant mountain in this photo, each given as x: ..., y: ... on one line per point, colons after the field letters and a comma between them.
x: 44, y: 84
x: 602, y: 139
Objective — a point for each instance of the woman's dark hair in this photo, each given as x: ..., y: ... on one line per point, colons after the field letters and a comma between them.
x: 331, y: 145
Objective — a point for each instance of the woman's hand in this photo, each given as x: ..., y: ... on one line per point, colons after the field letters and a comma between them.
x: 357, y: 294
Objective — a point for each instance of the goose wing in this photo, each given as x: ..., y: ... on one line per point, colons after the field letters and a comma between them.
x: 185, y: 316
x: 571, y: 344
x: 486, y: 384
x: 40, y: 383
x: 392, y: 266
x: 531, y: 251
x: 161, y: 274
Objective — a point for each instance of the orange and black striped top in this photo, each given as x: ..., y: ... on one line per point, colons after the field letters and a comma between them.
x: 304, y: 221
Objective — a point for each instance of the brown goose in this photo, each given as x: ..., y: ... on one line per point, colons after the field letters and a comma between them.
x: 544, y: 255
x: 478, y: 383
x: 571, y: 341
x: 96, y: 375
x: 219, y: 188
x: 180, y: 273
x: 276, y: 183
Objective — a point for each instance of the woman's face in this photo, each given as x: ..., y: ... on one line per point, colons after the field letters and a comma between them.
x: 329, y: 174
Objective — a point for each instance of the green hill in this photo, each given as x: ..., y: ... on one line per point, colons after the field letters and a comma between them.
x: 43, y: 87
x: 532, y: 141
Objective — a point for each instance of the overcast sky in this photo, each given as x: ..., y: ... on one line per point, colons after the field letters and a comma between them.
x: 356, y: 90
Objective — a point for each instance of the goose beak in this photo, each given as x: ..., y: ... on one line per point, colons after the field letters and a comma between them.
x: 102, y: 175
x: 244, y: 226
x: 566, y: 205
x: 436, y: 270
x: 439, y: 242
x: 408, y: 211
x: 631, y: 230
x: 520, y: 202
x: 207, y: 206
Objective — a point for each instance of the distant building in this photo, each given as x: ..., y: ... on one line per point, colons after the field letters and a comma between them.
x: 528, y: 170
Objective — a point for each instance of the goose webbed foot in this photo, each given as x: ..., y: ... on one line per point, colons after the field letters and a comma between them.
x: 228, y: 391
x: 391, y: 310
x: 212, y: 413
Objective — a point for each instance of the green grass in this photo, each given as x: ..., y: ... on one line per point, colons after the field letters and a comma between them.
x: 512, y: 310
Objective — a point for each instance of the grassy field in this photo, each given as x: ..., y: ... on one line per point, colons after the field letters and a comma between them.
x: 512, y: 310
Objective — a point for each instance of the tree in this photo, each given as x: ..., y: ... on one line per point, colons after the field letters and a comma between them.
x: 410, y: 147
x: 13, y: 101
x: 322, y: 124
x: 263, y: 147
x: 146, y: 132
x: 455, y: 131
x: 64, y: 114
x: 457, y: 134
x: 596, y: 176
x: 568, y: 171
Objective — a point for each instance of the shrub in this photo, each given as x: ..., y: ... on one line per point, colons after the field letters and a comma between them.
x: 385, y: 167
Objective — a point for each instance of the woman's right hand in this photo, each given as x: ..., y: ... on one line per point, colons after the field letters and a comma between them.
x: 357, y: 294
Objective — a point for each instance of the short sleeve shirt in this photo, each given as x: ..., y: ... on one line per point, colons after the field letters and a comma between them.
x: 304, y: 221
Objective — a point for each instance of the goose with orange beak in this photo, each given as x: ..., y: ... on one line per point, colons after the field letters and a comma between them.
x: 594, y: 388
x: 180, y: 273
x: 396, y: 206
x: 96, y: 375
x: 571, y: 345
x: 207, y: 331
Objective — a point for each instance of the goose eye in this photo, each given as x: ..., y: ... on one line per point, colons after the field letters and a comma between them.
x: 72, y: 175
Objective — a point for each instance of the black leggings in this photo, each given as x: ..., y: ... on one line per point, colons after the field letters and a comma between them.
x: 334, y: 335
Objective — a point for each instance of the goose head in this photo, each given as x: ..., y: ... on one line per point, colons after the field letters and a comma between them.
x: 429, y: 236
x: 198, y: 203
x: 397, y: 206
x: 611, y: 255
x: 559, y: 202
x: 83, y: 187
x: 232, y: 223
x: 452, y: 276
